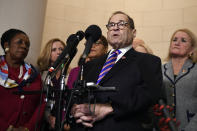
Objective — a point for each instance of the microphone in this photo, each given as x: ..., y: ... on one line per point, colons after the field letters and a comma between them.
x: 80, y: 34
x: 92, y: 34
x: 98, y: 88
x: 72, y: 43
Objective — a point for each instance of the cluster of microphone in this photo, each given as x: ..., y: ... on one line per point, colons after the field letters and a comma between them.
x: 92, y: 34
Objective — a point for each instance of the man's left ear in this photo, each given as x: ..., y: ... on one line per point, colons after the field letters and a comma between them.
x: 134, y: 33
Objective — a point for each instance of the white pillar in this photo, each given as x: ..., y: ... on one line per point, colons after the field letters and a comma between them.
x: 26, y: 15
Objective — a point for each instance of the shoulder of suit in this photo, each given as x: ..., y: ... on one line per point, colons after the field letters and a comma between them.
x: 146, y: 56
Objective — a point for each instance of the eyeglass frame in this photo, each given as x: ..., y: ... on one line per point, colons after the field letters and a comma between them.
x: 121, y: 25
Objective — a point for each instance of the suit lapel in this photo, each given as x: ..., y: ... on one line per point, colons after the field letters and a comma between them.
x: 168, y: 71
x: 124, y: 61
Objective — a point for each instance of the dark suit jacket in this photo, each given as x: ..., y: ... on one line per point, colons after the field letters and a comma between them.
x: 138, y: 79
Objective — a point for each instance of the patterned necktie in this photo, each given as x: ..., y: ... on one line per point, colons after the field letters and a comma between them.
x: 108, y: 64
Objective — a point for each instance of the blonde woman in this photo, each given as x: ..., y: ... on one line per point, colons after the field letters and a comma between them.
x: 179, y: 78
x: 48, y: 56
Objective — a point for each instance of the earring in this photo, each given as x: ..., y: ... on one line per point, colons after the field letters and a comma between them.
x: 6, y: 49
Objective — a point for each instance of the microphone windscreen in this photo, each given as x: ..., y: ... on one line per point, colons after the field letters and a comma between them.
x: 93, y: 31
x: 80, y: 34
x: 70, y: 39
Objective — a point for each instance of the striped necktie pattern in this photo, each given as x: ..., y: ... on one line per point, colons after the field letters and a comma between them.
x: 108, y: 64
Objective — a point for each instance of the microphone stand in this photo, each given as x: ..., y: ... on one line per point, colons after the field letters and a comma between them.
x: 82, y: 90
x: 60, y: 102
x: 59, y: 123
x: 72, y: 92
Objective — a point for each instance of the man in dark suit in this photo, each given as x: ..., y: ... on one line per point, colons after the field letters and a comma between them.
x: 136, y: 76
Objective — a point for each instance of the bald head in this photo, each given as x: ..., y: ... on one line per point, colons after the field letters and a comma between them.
x: 137, y: 42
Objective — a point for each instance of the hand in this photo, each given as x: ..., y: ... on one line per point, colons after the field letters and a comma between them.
x: 87, y: 114
x: 82, y: 114
x: 52, y: 121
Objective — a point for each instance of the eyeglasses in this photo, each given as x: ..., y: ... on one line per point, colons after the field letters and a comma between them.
x: 121, y: 25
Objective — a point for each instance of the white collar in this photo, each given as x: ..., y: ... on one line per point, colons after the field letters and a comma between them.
x: 123, y: 51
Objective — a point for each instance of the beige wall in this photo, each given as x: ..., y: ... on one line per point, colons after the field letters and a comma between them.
x: 155, y: 20
x: 26, y: 15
